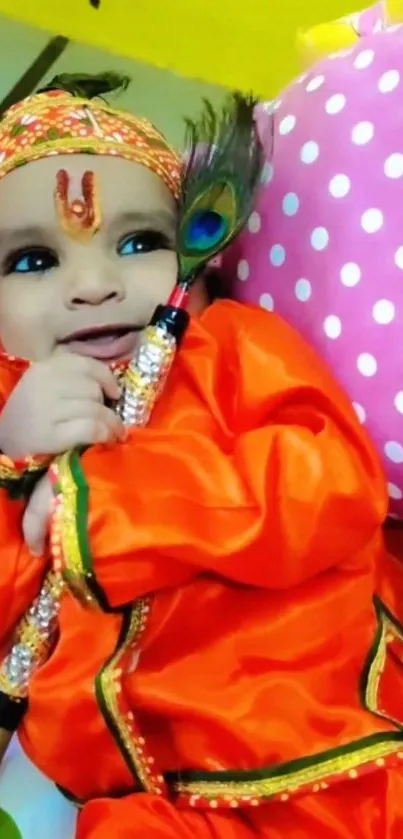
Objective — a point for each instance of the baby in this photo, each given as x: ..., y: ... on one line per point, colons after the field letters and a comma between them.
x: 224, y: 685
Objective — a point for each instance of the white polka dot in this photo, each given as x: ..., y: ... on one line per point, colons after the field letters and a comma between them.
x: 243, y: 270
x: 267, y: 173
x: 372, y: 220
x: 277, y: 255
x: 332, y: 326
x: 339, y: 186
x: 287, y: 124
x: 319, y: 238
x: 335, y: 104
x: 309, y: 152
x: 395, y: 492
x: 394, y: 451
x: 360, y: 411
x: 266, y: 301
x: 389, y: 81
x: 393, y: 167
x: 398, y: 402
x: 362, y: 133
x: 290, y: 204
x: 383, y: 311
x: 366, y: 364
x: 315, y: 83
x: 303, y: 290
x: 399, y: 257
x: 254, y: 222
x: 364, y: 59
x: 350, y: 274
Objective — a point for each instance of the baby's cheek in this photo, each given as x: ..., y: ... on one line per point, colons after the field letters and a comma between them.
x: 148, y: 281
x: 26, y: 329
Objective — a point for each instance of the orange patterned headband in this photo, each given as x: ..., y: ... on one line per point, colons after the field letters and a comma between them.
x: 58, y: 123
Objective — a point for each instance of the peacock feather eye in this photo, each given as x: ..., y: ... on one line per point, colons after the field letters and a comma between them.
x: 221, y: 175
x: 205, y: 230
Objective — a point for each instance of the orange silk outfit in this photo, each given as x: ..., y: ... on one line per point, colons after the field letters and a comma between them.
x: 235, y: 679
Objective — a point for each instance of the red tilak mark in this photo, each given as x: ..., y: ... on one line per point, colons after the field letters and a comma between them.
x: 80, y: 219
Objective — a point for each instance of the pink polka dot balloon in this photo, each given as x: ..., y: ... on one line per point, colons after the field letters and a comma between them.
x: 324, y: 246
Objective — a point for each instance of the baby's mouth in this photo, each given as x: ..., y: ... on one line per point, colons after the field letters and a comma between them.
x: 115, y: 342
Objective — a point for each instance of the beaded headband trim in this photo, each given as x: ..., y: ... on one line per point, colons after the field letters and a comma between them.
x: 55, y: 123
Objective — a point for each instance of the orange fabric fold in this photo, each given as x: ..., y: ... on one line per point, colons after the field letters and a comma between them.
x: 20, y: 574
x: 151, y: 817
x: 260, y: 476
x: 369, y: 809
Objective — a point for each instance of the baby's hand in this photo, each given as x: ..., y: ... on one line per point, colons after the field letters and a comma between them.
x: 35, y: 521
x: 58, y: 405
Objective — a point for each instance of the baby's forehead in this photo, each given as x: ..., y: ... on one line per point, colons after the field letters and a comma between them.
x: 123, y: 188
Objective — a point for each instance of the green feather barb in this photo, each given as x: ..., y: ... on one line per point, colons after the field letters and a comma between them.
x: 224, y: 159
x: 88, y: 86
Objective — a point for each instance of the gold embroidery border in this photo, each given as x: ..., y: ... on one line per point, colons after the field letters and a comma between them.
x: 307, y: 775
x: 388, y: 630
x: 121, y: 721
x: 65, y: 532
x: 289, y: 783
x: 320, y: 770
x: 71, y: 498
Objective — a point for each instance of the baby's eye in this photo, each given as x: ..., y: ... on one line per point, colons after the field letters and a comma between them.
x: 144, y: 241
x: 31, y: 261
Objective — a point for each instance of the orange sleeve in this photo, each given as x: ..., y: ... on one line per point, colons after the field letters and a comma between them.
x: 148, y: 816
x: 20, y: 573
x: 295, y: 489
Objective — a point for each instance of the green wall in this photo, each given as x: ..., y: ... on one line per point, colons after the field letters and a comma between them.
x: 159, y: 95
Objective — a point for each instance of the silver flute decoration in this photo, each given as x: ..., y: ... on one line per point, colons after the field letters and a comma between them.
x: 142, y: 383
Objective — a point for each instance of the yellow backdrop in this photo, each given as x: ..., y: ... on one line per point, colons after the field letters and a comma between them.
x: 246, y: 44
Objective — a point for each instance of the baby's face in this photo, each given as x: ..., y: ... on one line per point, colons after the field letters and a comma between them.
x: 56, y: 292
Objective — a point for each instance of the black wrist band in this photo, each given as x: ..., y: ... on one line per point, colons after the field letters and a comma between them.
x: 23, y: 486
x: 12, y: 711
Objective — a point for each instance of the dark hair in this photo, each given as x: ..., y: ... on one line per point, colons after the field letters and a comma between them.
x: 217, y: 286
x: 86, y: 85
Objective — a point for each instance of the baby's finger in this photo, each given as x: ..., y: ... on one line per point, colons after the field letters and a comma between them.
x: 81, y: 388
x: 103, y: 375
x: 113, y: 422
x: 36, y: 518
x: 88, y: 431
x: 74, y: 409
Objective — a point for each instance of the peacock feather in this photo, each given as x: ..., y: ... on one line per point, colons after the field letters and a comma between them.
x: 88, y: 86
x: 224, y: 160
